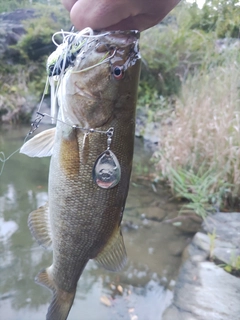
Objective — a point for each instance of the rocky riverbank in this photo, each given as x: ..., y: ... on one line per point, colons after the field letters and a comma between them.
x: 204, y: 290
x: 13, y: 102
x: 25, y: 43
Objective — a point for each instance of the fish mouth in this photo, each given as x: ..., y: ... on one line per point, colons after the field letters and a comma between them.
x: 80, y: 44
x: 91, y: 50
x: 123, y: 46
x: 121, y: 39
x: 124, y: 37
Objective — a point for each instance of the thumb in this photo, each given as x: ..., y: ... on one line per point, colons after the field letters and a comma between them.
x: 99, y: 14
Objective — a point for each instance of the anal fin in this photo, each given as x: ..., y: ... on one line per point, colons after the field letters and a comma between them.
x: 61, y: 301
x: 113, y: 257
x: 39, y: 225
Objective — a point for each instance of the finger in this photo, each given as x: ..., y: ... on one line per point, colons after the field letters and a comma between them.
x: 68, y: 4
x: 140, y: 22
x: 98, y: 14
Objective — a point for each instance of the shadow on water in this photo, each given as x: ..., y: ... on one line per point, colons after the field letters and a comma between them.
x: 141, y: 291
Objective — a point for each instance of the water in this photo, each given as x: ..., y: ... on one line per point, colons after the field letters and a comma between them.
x: 142, y: 291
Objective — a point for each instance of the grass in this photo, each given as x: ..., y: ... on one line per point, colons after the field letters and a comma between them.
x: 198, y: 189
x: 233, y: 266
x: 205, y: 134
x: 212, y: 238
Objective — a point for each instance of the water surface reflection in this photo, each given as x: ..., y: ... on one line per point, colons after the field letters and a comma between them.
x: 140, y: 292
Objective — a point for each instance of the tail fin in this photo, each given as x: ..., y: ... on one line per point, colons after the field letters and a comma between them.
x: 60, y: 305
x: 62, y: 300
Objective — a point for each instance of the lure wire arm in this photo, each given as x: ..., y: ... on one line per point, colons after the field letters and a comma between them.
x: 36, y: 122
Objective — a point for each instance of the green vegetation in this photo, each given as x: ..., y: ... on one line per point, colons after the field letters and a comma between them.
x: 23, y: 78
x: 185, y: 43
x: 221, y: 17
x: 212, y: 239
x: 198, y: 188
x: 199, y: 153
x: 11, y: 5
x: 205, y: 134
x: 233, y: 266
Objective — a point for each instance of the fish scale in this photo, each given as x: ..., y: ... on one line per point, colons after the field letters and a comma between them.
x: 82, y: 218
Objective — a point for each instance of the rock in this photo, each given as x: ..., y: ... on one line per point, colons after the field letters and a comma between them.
x: 14, y: 107
x: 189, y: 223
x: 226, y: 228
x: 16, y: 100
x: 147, y: 129
x: 199, y: 249
x: 154, y: 213
x: 175, y: 248
x: 11, y: 30
x: 204, y: 290
x: 202, y: 242
x: 151, y: 132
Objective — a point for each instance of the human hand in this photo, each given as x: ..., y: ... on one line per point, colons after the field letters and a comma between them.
x: 118, y: 14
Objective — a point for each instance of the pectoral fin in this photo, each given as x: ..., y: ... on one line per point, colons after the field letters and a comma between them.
x: 41, y: 145
x: 39, y: 225
x: 113, y: 257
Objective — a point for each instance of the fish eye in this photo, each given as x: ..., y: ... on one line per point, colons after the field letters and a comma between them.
x: 118, y: 72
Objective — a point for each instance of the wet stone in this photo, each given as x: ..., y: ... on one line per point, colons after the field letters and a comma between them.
x: 154, y: 213
x: 199, y: 249
x: 176, y: 248
x: 189, y: 224
x: 128, y: 226
x: 201, y: 241
x: 203, y: 289
x: 225, y: 252
x: 226, y: 227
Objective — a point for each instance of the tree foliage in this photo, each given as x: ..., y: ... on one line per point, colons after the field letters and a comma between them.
x: 220, y: 16
x: 184, y: 43
x: 11, y: 5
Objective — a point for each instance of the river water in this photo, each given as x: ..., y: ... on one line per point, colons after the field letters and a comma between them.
x: 142, y: 291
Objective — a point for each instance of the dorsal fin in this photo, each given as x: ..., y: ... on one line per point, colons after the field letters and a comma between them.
x: 113, y: 257
x: 39, y: 225
x: 41, y: 145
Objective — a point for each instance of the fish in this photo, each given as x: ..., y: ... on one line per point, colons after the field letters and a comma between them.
x: 91, y: 150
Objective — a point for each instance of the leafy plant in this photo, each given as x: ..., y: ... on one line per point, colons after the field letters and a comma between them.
x: 233, y: 266
x: 22, y: 80
x: 220, y: 16
x: 197, y: 188
x: 205, y: 133
x: 212, y: 238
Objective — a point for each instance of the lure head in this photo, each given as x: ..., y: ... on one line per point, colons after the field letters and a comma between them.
x: 103, y: 80
x: 63, y: 57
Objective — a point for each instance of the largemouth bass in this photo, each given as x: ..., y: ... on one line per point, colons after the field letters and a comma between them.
x: 91, y: 152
